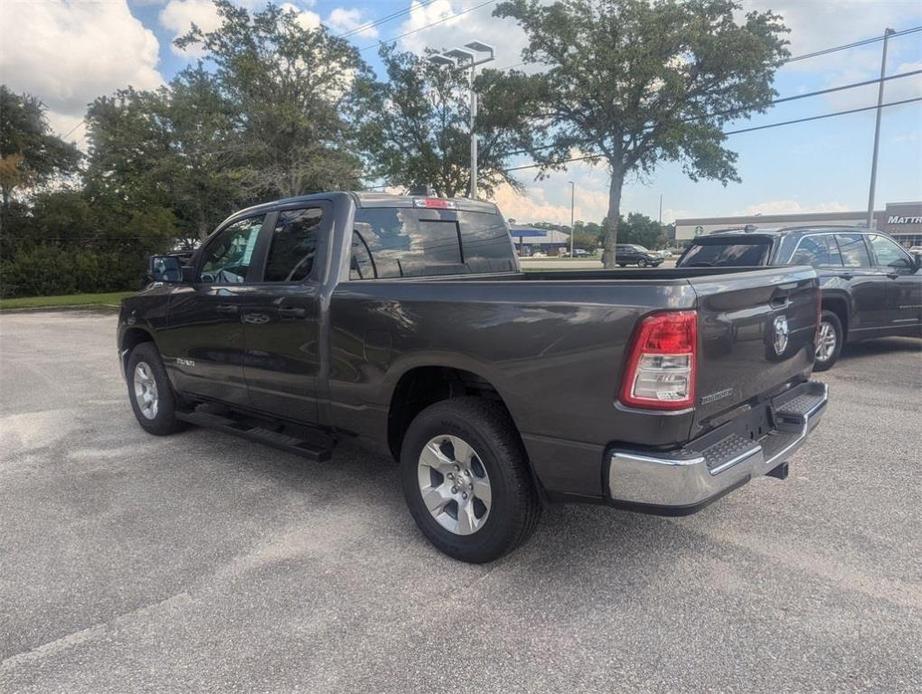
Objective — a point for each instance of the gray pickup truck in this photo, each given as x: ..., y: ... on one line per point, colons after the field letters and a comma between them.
x: 406, y: 323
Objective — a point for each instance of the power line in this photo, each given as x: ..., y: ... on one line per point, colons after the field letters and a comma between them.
x: 814, y: 54
x: 426, y: 26
x: 854, y: 44
x: 737, y: 132
x: 384, y: 20
x: 782, y: 100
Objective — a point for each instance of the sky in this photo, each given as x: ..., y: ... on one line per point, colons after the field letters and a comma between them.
x: 67, y: 52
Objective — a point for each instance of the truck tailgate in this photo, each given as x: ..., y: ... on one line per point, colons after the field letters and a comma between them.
x: 755, y: 336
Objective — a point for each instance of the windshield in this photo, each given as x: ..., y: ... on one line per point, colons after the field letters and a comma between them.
x: 729, y: 253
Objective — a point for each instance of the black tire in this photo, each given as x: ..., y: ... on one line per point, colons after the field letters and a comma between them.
x: 642, y: 262
x: 622, y: 264
x: 164, y: 422
x: 835, y: 325
x: 516, y: 506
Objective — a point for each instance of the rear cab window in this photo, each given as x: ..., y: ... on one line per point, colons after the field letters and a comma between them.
x: 390, y: 242
x: 729, y: 252
x: 817, y: 250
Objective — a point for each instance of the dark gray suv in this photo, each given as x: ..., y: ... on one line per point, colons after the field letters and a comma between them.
x: 871, y: 287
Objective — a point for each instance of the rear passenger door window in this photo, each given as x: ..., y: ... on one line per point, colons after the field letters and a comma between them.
x: 853, y: 250
x: 818, y: 251
x: 293, y: 245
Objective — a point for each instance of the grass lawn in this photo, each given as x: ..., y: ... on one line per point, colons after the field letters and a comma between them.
x: 108, y: 299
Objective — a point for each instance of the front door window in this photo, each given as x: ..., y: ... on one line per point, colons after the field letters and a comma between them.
x: 227, y: 260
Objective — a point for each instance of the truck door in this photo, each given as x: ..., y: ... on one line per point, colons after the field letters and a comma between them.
x: 904, y: 289
x: 282, y: 320
x: 203, y: 342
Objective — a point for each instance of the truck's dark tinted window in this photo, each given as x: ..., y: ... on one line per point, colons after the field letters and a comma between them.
x: 411, y: 242
x: 726, y: 254
x: 293, y: 246
x: 816, y: 251
x: 854, y: 252
x: 227, y: 259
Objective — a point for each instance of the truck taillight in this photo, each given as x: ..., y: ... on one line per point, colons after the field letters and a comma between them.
x: 662, y: 363
x: 435, y: 203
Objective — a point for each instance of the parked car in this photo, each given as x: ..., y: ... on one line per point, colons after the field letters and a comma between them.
x: 871, y: 286
x: 405, y: 323
x: 631, y: 254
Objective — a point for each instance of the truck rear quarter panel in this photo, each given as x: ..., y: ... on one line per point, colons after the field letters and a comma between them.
x: 553, y: 351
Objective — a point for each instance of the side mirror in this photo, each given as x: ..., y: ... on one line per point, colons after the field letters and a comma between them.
x: 165, y: 268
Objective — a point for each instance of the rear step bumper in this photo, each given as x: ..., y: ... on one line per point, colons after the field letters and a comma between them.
x: 684, y: 481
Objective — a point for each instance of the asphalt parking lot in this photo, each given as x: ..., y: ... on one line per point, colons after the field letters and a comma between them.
x: 202, y: 562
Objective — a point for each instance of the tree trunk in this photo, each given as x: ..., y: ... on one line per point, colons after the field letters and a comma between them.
x: 612, y: 219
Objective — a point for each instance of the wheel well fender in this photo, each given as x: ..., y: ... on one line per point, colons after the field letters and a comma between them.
x: 838, y: 305
x: 421, y: 386
x: 131, y: 339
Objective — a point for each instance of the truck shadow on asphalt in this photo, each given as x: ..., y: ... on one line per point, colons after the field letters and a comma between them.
x: 874, y: 348
x: 581, y: 538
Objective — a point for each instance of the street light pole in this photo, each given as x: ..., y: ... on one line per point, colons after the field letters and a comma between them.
x: 880, y: 101
x: 473, y: 135
x: 572, y: 227
x: 458, y: 57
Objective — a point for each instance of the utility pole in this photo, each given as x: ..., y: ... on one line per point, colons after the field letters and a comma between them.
x: 880, y: 101
x: 572, y: 207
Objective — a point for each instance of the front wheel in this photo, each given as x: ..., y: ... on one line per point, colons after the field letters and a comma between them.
x: 829, y: 341
x: 150, y: 392
x: 466, y: 481
x: 642, y: 262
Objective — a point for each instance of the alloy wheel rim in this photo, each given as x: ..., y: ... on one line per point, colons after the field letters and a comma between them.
x: 826, y: 342
x: 145, y: 390
x: 454, y: 484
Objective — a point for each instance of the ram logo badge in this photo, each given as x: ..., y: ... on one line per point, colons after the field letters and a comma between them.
x: 184, y: 362
x: 782, y: 332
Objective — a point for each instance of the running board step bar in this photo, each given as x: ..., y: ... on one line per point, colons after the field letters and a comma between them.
x: 313, y: 446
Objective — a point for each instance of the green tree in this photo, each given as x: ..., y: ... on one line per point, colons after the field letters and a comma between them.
x: 30, y: 155
x: 639, y: 229
x: 414, y: 128
x: 285, y: 84
x: 635, y: 82
x: 587, y: 236
x: 173, y: 148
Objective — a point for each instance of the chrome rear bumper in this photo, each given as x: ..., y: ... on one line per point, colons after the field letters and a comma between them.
x: 683, y: 481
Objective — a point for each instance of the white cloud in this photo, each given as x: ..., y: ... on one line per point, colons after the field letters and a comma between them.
x: 68, y: 53
x: 794, y: 207
x: 343, y: 20
x: 179, y: 15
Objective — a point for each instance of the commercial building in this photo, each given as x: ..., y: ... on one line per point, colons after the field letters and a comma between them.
x: 529, y: 239
x: 901, y: 220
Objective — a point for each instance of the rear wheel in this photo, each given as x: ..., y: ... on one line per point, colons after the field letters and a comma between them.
x: 622, y: 264
x: 150, y: 392
x: 829, y: 341
x: 466, y: 480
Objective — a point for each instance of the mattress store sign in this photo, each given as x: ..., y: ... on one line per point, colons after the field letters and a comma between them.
x: 898, y: 219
